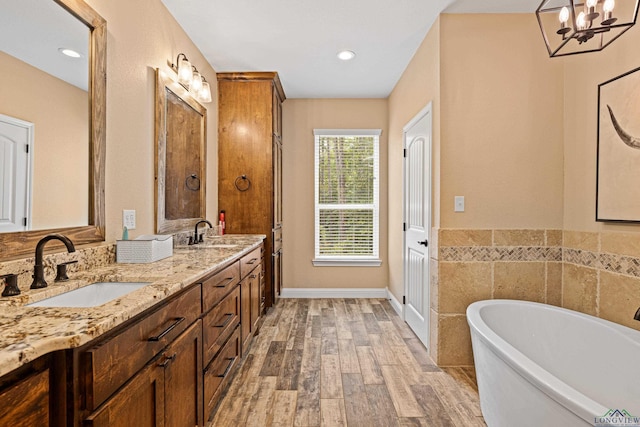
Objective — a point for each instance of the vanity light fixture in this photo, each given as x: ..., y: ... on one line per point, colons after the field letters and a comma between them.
x: 191, y: 79
x: 69, y: 52
x: 570, y: 27
x: 346, y: 55
x: 205, y: 91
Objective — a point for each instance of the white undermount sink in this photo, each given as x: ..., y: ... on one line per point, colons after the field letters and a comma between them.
x: 91, y: 295
x: 209, y: 245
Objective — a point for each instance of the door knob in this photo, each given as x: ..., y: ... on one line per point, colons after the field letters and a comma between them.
x: 424, y: 243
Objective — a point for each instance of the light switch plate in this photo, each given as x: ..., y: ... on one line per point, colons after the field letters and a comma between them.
x: 458, y: 204
x: 129, y: 219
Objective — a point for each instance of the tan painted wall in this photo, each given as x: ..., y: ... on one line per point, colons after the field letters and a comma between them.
x: 419, y: 85
x: 300, y: 117
x: 143, y: 36
x: 59, y: 113
x: 498, y: 141
x: 497, y: 126
x: 502, y: 123
x: 582, y: 75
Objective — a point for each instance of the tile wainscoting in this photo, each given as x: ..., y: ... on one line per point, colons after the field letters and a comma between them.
x: 593, y: 272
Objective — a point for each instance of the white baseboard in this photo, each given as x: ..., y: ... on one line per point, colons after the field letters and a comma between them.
x: 399, y: 308
x: 334, y: 293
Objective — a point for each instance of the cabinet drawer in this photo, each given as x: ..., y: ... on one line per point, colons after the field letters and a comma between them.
x: 217, y: 286
x: 277, y: 239
x: 218, y: 371
x: 249, y: 262
x: 26, y: 403
x: 220, y: 322
x: 110, y: 363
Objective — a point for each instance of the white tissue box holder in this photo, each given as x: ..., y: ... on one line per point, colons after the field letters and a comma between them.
x: 144, y: 249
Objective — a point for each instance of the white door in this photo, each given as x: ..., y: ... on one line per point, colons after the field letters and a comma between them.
x: 417, y: 218
x: 16, y: 140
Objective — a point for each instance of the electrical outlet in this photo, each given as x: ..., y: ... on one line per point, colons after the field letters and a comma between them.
x: 129, y: 219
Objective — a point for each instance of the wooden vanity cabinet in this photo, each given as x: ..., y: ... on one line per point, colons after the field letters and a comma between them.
x: 251, y: 272
x: 24, y: 398
x: 148, y: 373
x: 250, y: 292
x: 164, y: 393
x: 168, y: 366
x: 222, y: 305
x: 230, y: 320
x: 250, y: 162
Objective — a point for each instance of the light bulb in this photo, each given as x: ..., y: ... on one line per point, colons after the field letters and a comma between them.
x: 196, y: 82
x: 564, y: 15
x: 204, y: 95
x: 581, y: 22
x: 185, y: 72
x: 609, y: 5
x: 592, y: 3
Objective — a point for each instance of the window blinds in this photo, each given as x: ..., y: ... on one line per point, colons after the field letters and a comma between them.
x: 346, y: 193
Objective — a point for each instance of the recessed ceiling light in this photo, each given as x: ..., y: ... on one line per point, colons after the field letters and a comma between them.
x: 346, y: 55
x: 70, y: 52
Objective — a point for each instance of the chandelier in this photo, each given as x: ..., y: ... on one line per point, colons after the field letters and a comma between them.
x: 570, y: 27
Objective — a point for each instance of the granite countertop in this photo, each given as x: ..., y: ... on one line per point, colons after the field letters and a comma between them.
x: 27, y: 333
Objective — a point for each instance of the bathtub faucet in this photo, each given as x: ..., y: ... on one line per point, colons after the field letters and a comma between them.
x: 637, y: 315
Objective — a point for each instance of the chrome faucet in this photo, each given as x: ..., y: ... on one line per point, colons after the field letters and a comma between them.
x: 38, y: 269
x: 196, y: 239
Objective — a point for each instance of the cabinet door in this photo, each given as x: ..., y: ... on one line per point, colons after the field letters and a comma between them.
x: 277, y: 274
x: 254, y: 280
x: 245, y: 312
x: 139, y: 403
x: 183, y: 379
x: 277, y: 183
x: 26, y: 403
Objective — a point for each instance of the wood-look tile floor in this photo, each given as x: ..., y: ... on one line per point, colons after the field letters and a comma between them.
x: 344, y: 362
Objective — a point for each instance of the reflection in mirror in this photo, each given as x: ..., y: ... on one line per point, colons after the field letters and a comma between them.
x: 44, y: 126
x: 180, y: 156
x: 57, y: 105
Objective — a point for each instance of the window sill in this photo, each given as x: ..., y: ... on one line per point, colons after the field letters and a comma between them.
x: 346, y: 262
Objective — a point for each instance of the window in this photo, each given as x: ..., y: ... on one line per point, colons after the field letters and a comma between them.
x: 346, y: 197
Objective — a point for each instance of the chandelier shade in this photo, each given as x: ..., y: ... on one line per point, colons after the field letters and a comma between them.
x: 570, y: 27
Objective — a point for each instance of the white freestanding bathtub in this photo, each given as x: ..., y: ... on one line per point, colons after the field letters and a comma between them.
x: 545, y: 366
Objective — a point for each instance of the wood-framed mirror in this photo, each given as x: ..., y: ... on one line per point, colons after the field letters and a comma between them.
x: 91, y: 228
x: 181, y: 136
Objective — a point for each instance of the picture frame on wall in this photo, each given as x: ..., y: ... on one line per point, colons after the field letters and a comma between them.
x: 618, y: 153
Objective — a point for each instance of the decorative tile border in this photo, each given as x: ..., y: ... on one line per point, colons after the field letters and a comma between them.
x: 575, y: 254
x: 621, y: 264
x: 500, y: 253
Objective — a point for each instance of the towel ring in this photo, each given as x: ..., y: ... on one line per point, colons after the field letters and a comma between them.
x: 192, y: 182
x: 246, y: 183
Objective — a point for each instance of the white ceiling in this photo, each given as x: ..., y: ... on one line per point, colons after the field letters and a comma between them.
x: 33, y: 31
x: 300, y: 38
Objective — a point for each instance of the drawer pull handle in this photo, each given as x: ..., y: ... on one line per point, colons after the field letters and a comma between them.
x: 252, y: 261
x: 226, y: 371
x: 162, y: 334
x: 253, y: 276
x: 226, y: 282
x: 167, y: 360
x: 228, y: 316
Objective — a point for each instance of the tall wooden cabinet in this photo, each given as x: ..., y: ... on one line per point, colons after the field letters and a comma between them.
x: 250, y: 164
